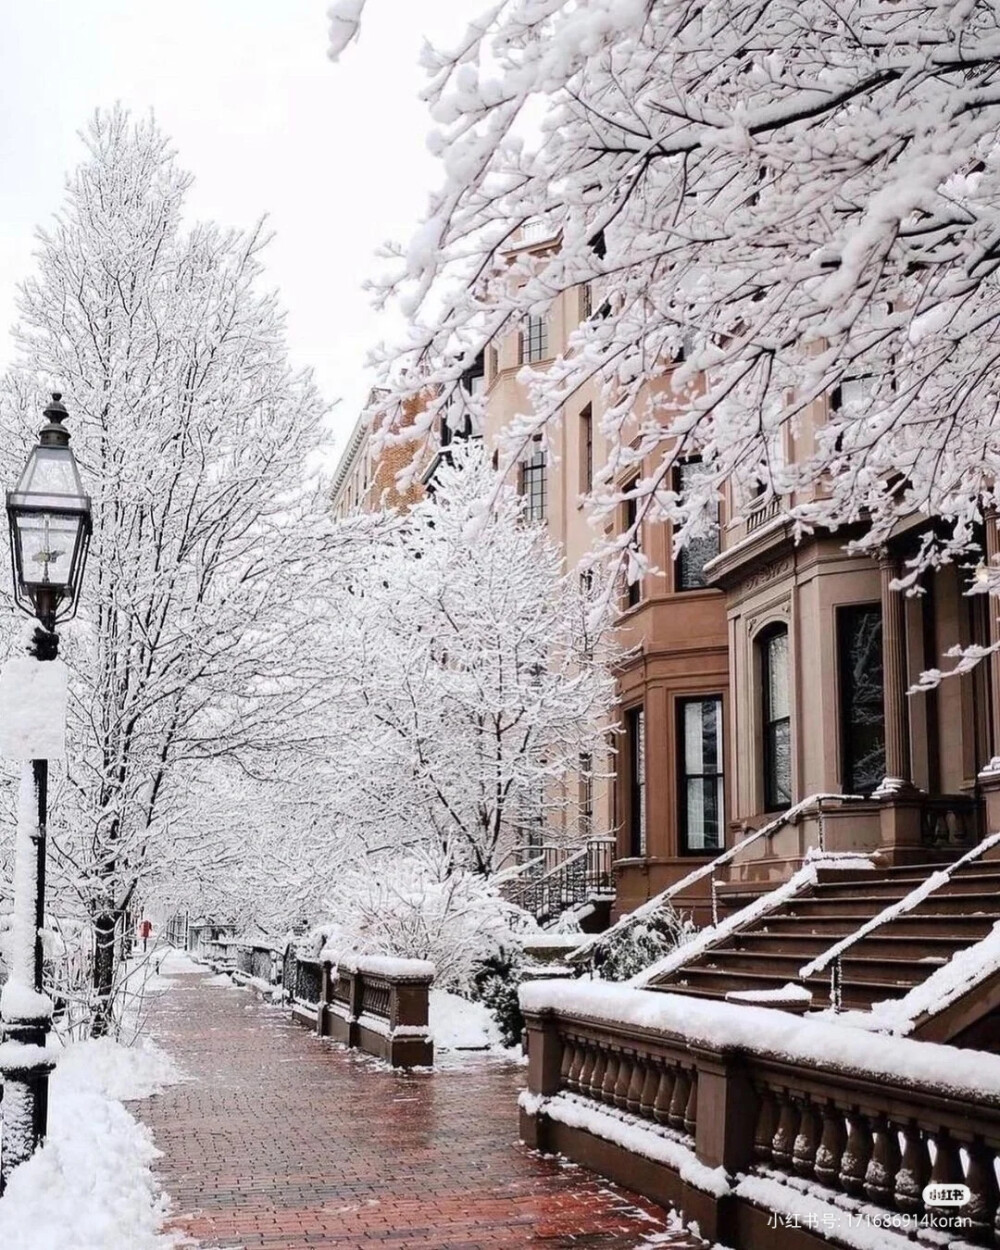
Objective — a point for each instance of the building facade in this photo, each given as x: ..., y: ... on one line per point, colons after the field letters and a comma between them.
x: 763, y: 677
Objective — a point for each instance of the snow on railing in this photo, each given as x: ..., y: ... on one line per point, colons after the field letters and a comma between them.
x: 834, y: 954
x: 710, y: 870
x: 963, y: 974
x: 755, y: 1108
x: 570, y: 878
x: 373, y: 1002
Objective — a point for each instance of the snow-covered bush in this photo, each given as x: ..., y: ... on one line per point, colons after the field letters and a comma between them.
x: 407, y: 907
x: 630, y: 948
x: 495, y: 983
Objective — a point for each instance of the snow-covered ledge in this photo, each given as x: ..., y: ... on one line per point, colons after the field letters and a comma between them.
x: 376, y: 1003
x: 709, y: 1105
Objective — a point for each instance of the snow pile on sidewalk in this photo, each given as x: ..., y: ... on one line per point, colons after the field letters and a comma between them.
x: 458, y: 1024
x: 174, y: 962
x: 90, y: 1185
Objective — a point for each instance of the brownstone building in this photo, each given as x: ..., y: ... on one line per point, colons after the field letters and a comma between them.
x: 761, y: 674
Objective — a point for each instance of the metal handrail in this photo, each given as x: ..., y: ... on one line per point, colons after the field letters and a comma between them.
x: 833, y: 954
x: 570, y: 875
x: 710, y: 869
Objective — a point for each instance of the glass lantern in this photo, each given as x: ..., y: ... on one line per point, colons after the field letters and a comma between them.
x: 50, y: 525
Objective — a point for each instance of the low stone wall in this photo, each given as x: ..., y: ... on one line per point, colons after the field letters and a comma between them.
x: 768, y: 1131
x: 378, y: 1005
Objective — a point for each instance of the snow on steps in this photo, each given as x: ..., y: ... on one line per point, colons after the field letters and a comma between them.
x: 907, y: 928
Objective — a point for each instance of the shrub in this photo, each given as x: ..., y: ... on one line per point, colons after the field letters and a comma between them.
x: 630, y: 947
x: 495, y: 983
x: 403, y: 907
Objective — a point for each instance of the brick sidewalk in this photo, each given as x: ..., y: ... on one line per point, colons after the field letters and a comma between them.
x: 282, y: 1140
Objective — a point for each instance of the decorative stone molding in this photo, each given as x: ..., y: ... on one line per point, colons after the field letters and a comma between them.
x: 766, y: 573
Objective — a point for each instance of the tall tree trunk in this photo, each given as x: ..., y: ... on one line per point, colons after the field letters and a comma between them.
x: 105, y: 925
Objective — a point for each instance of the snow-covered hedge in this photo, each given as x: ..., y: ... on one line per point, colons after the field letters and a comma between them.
x: 631, y: 949
x: 405, y: 908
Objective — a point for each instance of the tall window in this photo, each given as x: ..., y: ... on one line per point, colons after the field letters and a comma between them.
x: 534, y: 340
x: 534, y: 485
x: 633, y: 589
x: 635, y: 728
x: 862, y: 713
x: 586, y: 301
x: 586, y: 450
x: 776, y: 719
x: 701, y: 791
x: 689, y: 568
x: 586, y: 794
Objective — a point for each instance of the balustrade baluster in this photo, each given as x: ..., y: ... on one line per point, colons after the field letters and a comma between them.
x: 857, y: 1154
x: 914, y: 1171
x: 981, y: 1180
x: 611, y: 1077
x: 806, y: 1141
x: 767, y: 1122
x: 624, y: 1079
x: 566, y: 1062
x: 587, y: 1067
x: 664, y: 1093
x: 597, y: 1076
x: 573, y: 1080
x: 691, y: 1106
x: 783, y: 1145
x: 883, y: 1166
x: 678, y: 1102
x: 647, y: 1097
x: 830, y: 1153
x: 947, y: 1167
x: 634, y: 1095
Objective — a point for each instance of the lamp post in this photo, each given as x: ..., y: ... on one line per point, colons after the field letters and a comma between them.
x: 50, y: 527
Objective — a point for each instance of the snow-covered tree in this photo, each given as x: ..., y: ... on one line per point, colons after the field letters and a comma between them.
x: 468, y: 679
x: 192, y: 433
x: 776, y: 205
x: 406, y: 906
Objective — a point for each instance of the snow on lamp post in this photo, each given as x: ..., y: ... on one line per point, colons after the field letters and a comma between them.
x: 50, y: 527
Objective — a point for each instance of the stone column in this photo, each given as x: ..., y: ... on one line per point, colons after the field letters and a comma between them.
x: 897, y: 728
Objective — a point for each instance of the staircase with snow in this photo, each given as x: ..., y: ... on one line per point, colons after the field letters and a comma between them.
x: 555, y: 881
x: 846, y: 943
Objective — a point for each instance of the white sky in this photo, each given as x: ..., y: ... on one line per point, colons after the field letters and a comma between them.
x: 333, y: 153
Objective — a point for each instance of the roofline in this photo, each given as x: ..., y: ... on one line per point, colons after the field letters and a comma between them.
x: 349, y: 456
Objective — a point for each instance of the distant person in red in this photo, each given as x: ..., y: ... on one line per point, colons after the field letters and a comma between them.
x: 145, y: 929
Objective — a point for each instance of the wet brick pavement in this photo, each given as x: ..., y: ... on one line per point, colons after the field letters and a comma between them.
x: 282, y: 1140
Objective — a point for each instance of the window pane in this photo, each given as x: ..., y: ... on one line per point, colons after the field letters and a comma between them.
x: 704, y: 814
x: 777, y: 676
x: 862, y: 709
x: 534, y: 486
x: 637, y: 779
x: 702, y: 744
x: 779, y: 765
x: 696, y: 554
x: 702, y: 786
x: 535, y: 339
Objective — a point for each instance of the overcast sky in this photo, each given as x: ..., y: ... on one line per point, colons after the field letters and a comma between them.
x: 334, y: 154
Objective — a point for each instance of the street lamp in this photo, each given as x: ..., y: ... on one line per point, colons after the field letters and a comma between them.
x: 50, y: 527
x: 49, y: 518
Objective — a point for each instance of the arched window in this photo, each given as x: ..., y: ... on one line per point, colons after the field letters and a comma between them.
x: 776, y: 718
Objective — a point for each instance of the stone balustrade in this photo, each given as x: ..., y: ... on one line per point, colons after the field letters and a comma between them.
x: 257, y: 964
x: 376, y: 1004
x: 745, y: 1115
